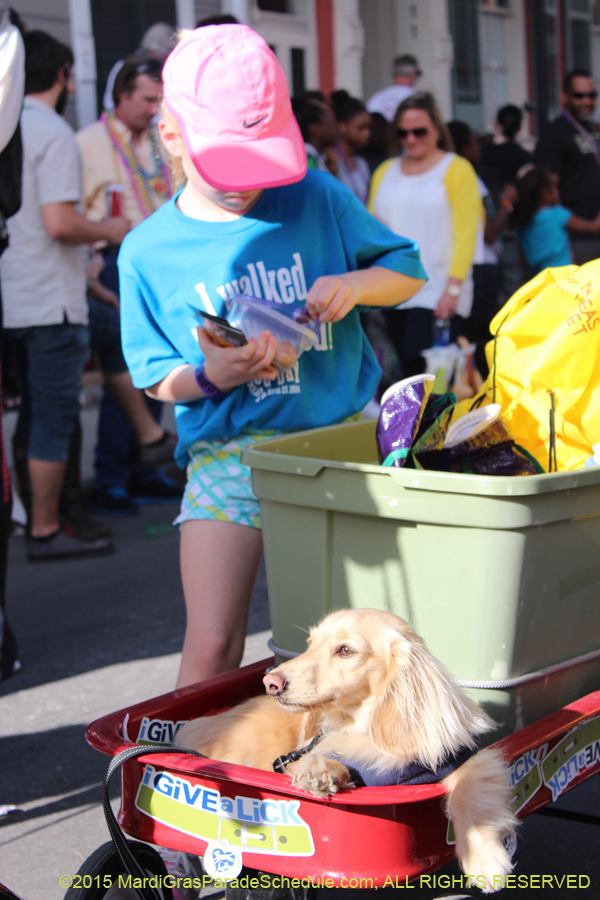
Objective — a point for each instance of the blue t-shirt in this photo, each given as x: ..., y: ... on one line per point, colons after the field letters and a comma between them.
x: 290, y: 237
x: 545, y: 240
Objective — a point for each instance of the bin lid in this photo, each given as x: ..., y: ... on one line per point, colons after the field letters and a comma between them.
x: 351, y: 447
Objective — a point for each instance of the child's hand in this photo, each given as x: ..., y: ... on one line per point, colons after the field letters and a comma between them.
x: 228, y: 367
x: 585, y: 226
x: 331, y: 298
x: 510, y: 192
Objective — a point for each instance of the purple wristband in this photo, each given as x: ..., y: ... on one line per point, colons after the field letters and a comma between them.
x: 207, y: 387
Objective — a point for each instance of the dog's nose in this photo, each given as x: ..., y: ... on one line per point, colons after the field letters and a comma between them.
x: 274, y: 683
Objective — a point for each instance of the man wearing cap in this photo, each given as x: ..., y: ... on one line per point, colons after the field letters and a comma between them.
x: 405, y: 74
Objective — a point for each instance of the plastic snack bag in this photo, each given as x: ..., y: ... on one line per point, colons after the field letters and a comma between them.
x: 428, y: 448
x: 506, y: 458
x: 479, y: 428
x: 479, y: 444
x: 294, y: 329
x: 402, y: 408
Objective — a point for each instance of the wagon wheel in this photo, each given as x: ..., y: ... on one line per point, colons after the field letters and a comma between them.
x: 98, y: 877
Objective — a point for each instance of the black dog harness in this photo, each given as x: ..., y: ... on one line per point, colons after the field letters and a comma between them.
x: 281, y: 763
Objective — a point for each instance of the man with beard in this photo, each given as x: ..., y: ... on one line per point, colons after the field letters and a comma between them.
x: 44, y: 290
x: 570, y: 149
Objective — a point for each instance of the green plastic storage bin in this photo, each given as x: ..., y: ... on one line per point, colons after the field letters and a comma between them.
x: 500, y: 576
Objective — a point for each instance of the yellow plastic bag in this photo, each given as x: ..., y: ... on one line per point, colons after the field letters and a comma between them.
x: 547, y: 339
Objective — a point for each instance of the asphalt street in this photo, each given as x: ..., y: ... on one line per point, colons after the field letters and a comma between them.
x: 97, y: 635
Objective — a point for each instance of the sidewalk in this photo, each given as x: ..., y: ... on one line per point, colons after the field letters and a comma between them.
x: 95, y: 635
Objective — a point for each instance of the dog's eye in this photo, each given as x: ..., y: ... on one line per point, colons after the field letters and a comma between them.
x: 344, y: 651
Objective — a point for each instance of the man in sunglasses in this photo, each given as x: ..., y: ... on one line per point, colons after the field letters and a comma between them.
x: 570, y: 149
x: 157, y: 41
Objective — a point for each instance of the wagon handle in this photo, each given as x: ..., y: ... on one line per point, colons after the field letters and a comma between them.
x: 129, y: 861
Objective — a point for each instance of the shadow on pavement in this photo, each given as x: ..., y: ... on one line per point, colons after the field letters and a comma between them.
x: 50, y: 764
x: 80, y: 615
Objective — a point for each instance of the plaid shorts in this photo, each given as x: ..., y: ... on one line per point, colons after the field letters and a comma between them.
x: 218, y: 486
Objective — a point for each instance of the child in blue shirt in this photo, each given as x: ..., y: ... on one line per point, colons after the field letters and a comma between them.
x: 543, y: 224
x: 249, y: 220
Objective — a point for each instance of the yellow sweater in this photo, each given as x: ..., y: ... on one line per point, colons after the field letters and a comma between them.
x: 466, y: 208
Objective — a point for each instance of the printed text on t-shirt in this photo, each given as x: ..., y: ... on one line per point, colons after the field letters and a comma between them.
x: 282, y: 285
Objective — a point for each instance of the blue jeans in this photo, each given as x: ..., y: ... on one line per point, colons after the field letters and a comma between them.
x: 117, y: 447
x: 105, y: 336
x: 50, y: 360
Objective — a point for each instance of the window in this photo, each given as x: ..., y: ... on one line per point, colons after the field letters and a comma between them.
x: 287, y: 7
x: 495, y: 4
x: 578, y: 34
x: 298, y: 71
x: 544, y: 30
x: 118, y: 28
x: 466, y: 74
x: 494, y: 54
x: 277, y: 6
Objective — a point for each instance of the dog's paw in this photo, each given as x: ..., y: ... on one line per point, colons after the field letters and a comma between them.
x: 319, y: 775
x: 487, y: 859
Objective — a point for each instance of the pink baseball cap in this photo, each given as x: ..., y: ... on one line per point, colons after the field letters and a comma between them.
x: 229, y: 95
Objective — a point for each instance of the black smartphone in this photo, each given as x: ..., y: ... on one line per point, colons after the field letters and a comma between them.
x: 220, y: 329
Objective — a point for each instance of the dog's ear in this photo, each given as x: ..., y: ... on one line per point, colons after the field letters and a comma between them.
x: 420, y: 714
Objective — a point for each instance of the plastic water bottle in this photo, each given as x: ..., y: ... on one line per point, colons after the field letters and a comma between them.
x: 595, y: 459
x: 441, y: 333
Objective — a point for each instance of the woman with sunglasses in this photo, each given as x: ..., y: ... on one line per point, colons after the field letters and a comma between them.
x: 431, y: 195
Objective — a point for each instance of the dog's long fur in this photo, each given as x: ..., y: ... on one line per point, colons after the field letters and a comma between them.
x: 368, y: 683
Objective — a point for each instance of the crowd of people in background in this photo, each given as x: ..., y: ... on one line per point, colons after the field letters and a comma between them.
x: 486, y: 212
x: 436, y: 183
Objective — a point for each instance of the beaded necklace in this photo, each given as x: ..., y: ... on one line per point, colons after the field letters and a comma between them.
x: 142, y: 182
x: 587, y: 138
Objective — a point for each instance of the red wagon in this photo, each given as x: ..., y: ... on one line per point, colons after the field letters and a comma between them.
x: 366, y: 838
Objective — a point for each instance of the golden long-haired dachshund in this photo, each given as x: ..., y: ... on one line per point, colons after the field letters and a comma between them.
x: 381, y: 701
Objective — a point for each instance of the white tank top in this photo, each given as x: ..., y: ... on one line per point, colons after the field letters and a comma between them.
x: 417, y: 207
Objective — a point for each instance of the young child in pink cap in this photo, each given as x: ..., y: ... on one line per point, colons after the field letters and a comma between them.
x: 251, y: 220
